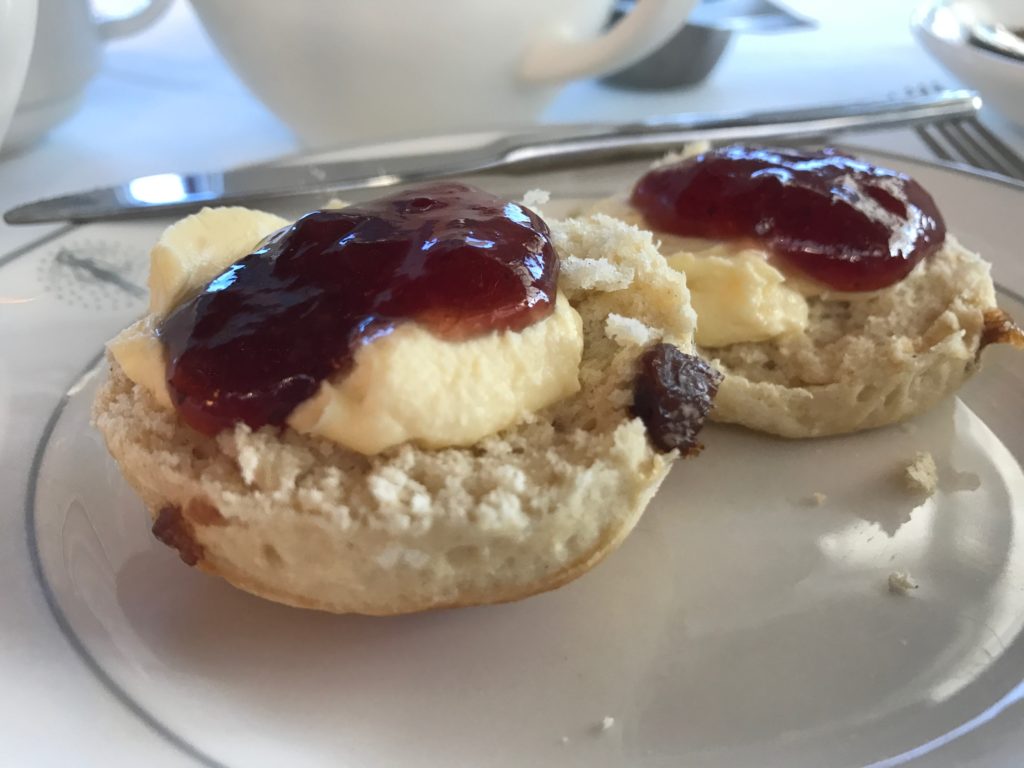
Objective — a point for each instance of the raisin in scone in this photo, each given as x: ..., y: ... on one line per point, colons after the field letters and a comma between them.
x: 415, y: 514
x: 826, y: 289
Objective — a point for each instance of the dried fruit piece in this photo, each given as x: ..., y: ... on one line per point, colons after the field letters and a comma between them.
x: 672, y: 395
x: 174, y: 529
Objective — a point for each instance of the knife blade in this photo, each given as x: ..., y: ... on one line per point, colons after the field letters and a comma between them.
x: 165, y: 193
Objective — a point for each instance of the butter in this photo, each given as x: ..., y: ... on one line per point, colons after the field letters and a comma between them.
x: 411, y: 385
x: 737, y: 293
x: 141, y: 356
x: 407, y: 386
x: 739, y: 297
x: 193, y: 251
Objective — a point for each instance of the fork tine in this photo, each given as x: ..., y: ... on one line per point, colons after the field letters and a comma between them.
x: 1011, y: 162
x: 969, y: 141
x: 936, y: 148
x: 925, y: 132
x: 966, y: 146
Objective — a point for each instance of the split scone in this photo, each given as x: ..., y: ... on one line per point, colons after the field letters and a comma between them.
x: 826, y: 289
x: 425, y: 401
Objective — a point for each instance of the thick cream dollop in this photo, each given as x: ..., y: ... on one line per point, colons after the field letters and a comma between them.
x: 737, y: 293
x: 407, y: 386
x: 739, y: 297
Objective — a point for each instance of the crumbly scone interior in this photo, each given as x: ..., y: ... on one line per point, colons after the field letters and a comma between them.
x: 867, y: 362
x: 938, y: 304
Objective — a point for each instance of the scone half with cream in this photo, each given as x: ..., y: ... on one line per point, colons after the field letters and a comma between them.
x: 827, y: 290
x: 425, y: 401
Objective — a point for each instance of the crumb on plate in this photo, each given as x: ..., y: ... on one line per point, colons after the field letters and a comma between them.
x: 921, y: 474
x: 901, y: 582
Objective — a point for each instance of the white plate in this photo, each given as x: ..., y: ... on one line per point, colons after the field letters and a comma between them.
x: 739, y: 625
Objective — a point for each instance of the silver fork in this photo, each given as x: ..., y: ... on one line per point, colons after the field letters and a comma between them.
x: 966, y: 140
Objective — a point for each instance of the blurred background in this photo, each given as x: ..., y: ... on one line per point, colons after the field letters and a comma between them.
x: 121, y: 88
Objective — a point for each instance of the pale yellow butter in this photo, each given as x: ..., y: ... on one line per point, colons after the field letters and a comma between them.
x: 412, y: 385
x: 193, y: 251
x: 141, y: 356
x: 739, y: 297
x: 738, y: 294
x: 407, y: 386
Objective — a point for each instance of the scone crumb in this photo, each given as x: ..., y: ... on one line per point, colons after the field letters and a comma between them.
x: 817, y: 498
x: 628, y: 331
x: 688, y: 150
x: 921, y: 474
x: 536, y: 197
x: 248, y: 463
x: 595, y: 274
x: 607, y: 723
x: 901, y: 582
x: 565, y: 739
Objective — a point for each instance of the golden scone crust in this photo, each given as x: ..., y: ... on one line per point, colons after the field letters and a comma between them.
x: 302, y: 521
x: 864, y: 363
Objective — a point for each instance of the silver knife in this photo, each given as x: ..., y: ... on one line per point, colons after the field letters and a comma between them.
x: 175, y: 192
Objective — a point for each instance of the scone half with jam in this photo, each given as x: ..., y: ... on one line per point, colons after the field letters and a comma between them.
x: 827, y: 290
x: 433, y: 399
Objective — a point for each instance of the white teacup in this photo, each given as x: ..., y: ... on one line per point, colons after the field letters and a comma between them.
x: 340, y: 71
x: 17, y: 26
x: 66, y: 54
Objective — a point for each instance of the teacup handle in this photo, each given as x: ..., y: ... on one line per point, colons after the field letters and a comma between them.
x: 134, y: 22
x: 650, y: 24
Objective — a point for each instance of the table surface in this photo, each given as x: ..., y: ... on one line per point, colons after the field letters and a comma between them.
x: 165, y: 100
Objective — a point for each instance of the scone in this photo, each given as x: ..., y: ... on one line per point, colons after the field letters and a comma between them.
x: 826, y: 289
x: 294, y: 513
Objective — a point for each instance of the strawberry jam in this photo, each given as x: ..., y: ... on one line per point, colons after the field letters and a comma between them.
x: 260, y: 337
x: 844, y: 222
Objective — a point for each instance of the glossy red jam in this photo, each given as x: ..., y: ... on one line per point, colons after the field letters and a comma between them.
x: 841, y: 221
x: 260, y: 337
